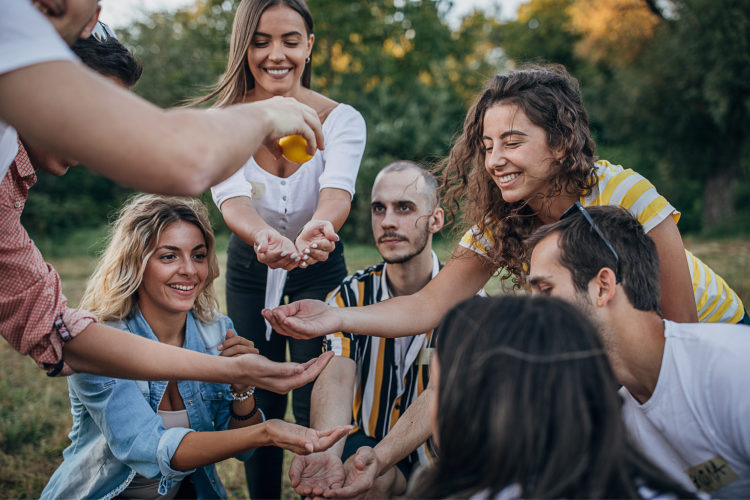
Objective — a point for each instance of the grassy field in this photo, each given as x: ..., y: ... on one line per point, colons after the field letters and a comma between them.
x: 35, y: 411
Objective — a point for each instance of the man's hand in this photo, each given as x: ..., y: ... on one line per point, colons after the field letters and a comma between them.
x: 304, y: 319
x: 287, y: 116
x: 364, y: 469
x: 302, y: 440
x: 275, y: 250
x: 259, y: 371
x: 316, y: 241
x: 236, y: 346
x: 312, y: 475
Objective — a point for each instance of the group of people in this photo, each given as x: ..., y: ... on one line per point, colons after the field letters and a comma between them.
x: 620, y: 377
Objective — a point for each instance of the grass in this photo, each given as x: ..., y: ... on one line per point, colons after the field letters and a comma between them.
x: 35, y: 410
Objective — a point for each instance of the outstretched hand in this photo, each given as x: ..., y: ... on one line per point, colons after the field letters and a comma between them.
x: 302, y: 440
x: 259, y: 371
x: 304, y: 319
x: 360, y: 478
x: 312, y: 475
x: 315, y: 242
x: 275, y: 251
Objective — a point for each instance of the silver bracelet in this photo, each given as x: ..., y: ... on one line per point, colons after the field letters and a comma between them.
x: 243, y: 396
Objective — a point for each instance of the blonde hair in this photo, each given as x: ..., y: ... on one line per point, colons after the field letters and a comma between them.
x: 238, y: 79
x: 111, y: 292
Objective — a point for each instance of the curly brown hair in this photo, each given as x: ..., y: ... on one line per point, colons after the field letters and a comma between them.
x: 551, y: 98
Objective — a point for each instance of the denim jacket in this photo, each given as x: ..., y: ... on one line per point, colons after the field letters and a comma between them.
x: 116, y: 431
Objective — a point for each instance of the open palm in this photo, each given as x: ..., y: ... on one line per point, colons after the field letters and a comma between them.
x: 304, y: 319
x: 313, y: 475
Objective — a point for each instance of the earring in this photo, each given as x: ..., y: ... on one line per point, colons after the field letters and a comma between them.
x: 307, y: 60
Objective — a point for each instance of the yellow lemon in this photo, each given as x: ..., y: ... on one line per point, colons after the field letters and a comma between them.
x: 294, y: 148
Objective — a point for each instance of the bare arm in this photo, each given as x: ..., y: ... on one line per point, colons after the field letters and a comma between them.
x: 368, y: 464
x: 461, y: 278
x: 410, y: 431
x: 198, y: 449
x: 272, y: 249
x: 333, y: 209
x: 332, y: 398
x: 677, y: 299
x: 102, y: 350
x: 69, y: 109
x: 331, y: 401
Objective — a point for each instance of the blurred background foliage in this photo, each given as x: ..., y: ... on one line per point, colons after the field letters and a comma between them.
x: 666, y: 83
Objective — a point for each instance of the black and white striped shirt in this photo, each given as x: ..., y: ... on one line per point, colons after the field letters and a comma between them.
x: 391, y: 373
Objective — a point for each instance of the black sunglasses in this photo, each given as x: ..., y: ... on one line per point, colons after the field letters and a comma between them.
x: 572, y: 210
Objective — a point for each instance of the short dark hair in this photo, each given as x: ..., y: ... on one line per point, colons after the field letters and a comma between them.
x: 431, y: 183
x: 584, y: 253
x: 526, y: 396
x: 110, y: 58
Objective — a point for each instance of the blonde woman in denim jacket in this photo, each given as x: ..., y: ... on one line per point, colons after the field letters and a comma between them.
x: 138, y: 439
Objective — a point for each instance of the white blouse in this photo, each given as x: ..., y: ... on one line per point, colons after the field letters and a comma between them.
x: 288, y: 204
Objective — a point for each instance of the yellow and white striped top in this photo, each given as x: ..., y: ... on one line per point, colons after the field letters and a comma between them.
x: 715, y: 301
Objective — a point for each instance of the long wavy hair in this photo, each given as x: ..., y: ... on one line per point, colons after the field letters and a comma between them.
x: 551, y: 98
x: 112, y: 291
x: 527, y: 399
x: 238, y: 79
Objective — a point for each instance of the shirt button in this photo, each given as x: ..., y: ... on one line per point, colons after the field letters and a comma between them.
x: 283, y: 198
x: 19, y: 204
x: 283, y: 219
x: 283, y: 228
x: 190, y: 403
x: 283, y: 183
x: 221, y: 394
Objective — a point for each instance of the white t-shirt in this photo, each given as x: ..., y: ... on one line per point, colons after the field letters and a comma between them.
x: 696, y: 425
x: 26, y: 38
x: 288, y: 204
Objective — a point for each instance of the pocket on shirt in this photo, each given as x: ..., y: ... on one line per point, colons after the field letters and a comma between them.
x: 214, y: 396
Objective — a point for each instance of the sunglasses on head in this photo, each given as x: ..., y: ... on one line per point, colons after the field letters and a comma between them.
x: 102, y: 32
x: 578, y: 207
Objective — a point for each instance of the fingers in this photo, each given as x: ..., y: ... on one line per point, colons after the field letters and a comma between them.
x: 315, y: 131
x: 295, y: 471
x: 261, y: 243
x: 335, y: 434
x: 234, y: 346
x: 230, y: 334
x: 274, y: 147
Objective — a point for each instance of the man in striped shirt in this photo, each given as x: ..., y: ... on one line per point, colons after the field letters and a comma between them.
x: 373, y: 380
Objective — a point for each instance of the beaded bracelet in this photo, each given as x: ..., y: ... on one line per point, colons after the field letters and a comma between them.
x: 243, y: 417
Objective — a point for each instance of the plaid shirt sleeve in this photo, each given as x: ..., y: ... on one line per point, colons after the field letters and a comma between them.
x: 34, y: 316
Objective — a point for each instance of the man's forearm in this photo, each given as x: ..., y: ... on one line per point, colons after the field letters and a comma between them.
x: 411, y: 430
x: 332, y: 397
x: 102, y: 350
x: 124, y: 137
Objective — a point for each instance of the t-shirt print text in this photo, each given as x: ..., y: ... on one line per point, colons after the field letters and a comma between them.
x: 712, y: 474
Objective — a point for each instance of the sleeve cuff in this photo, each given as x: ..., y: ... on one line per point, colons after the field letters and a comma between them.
x: 168, y: 445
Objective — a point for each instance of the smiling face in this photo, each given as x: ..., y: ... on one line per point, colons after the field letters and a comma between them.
x: 176, y: 272
x: 71, y: 18
x: 517, y: 154
x: 402, y: 219
x: 278, y: 50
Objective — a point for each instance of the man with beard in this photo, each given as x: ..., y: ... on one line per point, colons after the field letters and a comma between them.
x: 684, y: 386
x: 372, y: 381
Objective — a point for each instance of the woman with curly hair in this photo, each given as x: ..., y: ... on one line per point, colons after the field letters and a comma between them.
x: 138, y: 439
x: 525, y: 157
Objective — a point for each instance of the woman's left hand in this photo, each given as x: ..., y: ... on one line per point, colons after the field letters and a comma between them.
x: 315, y: 242
x: 235, y: 345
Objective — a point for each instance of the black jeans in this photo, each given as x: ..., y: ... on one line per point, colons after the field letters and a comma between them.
x: 246, y: 295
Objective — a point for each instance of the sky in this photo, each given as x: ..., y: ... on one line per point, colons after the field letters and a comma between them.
x: 116, y: 13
